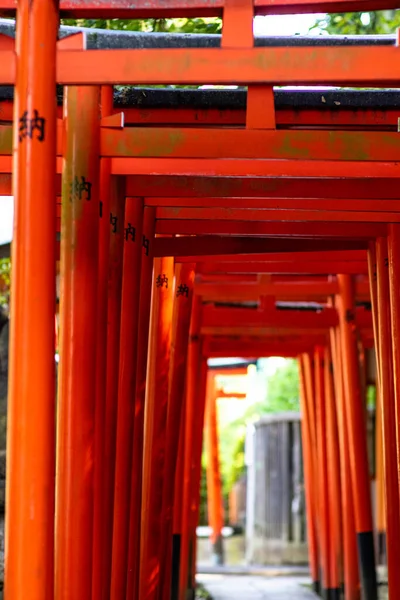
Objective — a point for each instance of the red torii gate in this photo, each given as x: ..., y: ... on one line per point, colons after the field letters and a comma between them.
x: 247, y: 201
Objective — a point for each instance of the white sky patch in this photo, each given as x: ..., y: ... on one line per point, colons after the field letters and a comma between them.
x: 286, y: 24
x: 6, y: 219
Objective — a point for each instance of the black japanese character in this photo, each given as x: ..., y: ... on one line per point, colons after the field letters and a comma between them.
x: 113, y: 222
x: 161, y: 280
x: 130, y: 232
x: 28, y: 125
x: 101, y: 209
x: 78, y: 188
x: 182, y: 290
x: 146, y: 245
x: 349, y: 316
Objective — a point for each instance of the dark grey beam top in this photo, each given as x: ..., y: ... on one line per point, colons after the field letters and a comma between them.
x: 100, y: 39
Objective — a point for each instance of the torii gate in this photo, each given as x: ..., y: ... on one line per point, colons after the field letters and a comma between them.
x: 155, y: 206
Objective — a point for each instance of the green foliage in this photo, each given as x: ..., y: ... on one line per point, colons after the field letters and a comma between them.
x: 360, y: 23
x: 203, y: 518
x: 371, y: 396
x: 282, y: 395
x: 205, y: 26
x: 283, y: 389
x: 5, y: 280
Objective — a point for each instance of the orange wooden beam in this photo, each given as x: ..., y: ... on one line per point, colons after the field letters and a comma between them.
x: 355, y: 66
x: 177, y: 142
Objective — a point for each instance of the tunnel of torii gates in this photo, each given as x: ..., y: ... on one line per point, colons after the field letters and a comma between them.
x: 188, y: 225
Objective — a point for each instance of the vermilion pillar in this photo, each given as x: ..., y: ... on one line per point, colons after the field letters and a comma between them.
x: 183, y: 298
x: 177, y: 522
x: 133, y: 227
x: 334, y: 497
x: 193, y: 422
x: 29, y: 544
x: 116, y: 221
x: 196, y: 469
x: 309, y: 477
x: 214, y: 487
x: 140, y: 396
x: 394, y: 277
x: 322, y: 470
x: 379, y: 474
x: 356, y: 429
x: 388, y: 352
x: 309, y: 382
x: 155, y: 425
x: 78, y: 326
x: 350, y: 554
x: 99, y: 523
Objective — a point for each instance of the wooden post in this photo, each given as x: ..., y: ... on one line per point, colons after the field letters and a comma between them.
x: 133, y: 227
x: 334, y: 496
x: 388, y: 352
x: 193, y: 421
x: 356, y: 429
x: 78, y: 326
x: 155, y: 425
x: 196, y: 470
x: 350, y: 555
x: 99, y: 522
x: 379, y: 475
x: 140, y: 396
x: 29, y: 542
x: 183, y: 297
x: 116, y: 222
x: 214, y: 487
x: 309, y: 478
x: 322, y: 469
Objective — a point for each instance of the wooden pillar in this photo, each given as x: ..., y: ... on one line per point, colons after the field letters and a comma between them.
x: 78, y: 325
x: 193, y: 421
x: 322, y: 470
x: 29, y: 543
x: 116, y: 220
x: 389, y: 320
x: 309, y: 477
x: 177, y: 520
x: 140, y: 396
x: 214, y: 486
x: 183, y: 297
x: 155, y: 425
x: 99, y: 522
x: 334, y: 496
x: 356, y: 429
x: 351, y: 579
x: 379, y: 475
x: 196, y: 470
x: 132, y: 231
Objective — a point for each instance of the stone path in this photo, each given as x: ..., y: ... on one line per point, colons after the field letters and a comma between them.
x: 233, y: 587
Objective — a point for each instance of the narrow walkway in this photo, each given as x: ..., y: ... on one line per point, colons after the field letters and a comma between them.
x: 232, y: 587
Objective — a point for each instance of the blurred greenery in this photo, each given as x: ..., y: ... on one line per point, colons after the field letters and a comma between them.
x: 281, y: 395
x: 5, y: 274
x: 359, y: 23
x: 205, y: 26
